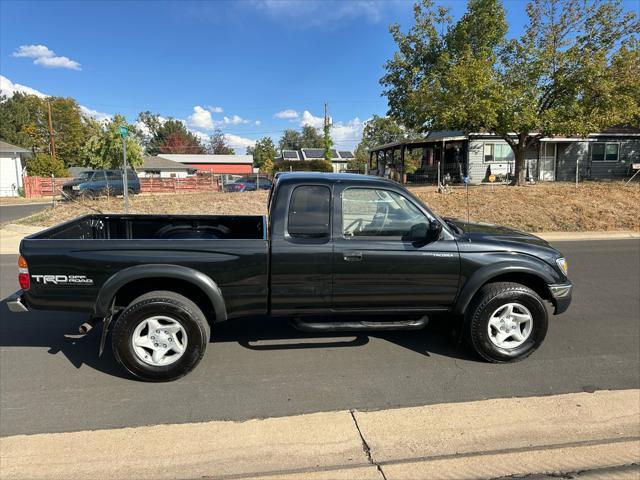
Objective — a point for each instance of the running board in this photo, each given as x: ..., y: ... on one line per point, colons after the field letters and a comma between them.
x: 416, y: 324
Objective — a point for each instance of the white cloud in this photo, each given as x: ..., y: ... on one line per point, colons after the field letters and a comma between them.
x: 238, y: 143
x: 100, y: 116
x: 257, y: 123
x: 45, y: 57
x: 286, y: 114
x: 315, y: 12
x: 346, y: 136
x: 213, y: 109
x: 200, y: 118
x: 8, y: 88
x: 234, y: 120
x: 309, y: 119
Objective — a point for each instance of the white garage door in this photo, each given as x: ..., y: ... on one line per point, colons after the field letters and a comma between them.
x: 10, y: 176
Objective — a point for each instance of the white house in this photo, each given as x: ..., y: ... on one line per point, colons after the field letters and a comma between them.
x: 164, y: 168
x: 11, y: 163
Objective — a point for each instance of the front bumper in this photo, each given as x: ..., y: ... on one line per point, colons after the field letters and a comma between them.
x: 15, y: 303
x: 561, y: 297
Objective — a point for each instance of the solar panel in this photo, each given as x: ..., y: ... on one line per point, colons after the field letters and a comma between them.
x: 314, y: 152
x: 290, y: 154
x: 346, y: 154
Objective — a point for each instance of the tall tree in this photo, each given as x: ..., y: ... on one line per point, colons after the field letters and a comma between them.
x: 218, y: 144
x: 567, y: 74
x: 104, y: 148
x: 167, y: 135
x: 290, y: 140
x: 378, y: 131
x: 311, y: 138
x: 264, y: 151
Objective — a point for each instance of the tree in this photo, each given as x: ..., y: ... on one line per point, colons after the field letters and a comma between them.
x: 104, y: 148
x: 264, y: 151
x: 327, y: 142
x: 290, y: 140
x: 311, y: 138
x: 44, y: 165
x: 218, y: 144
x: 160, y: 135
x: 569, y: 73
x: 24, y: 121
x: 378, y: 131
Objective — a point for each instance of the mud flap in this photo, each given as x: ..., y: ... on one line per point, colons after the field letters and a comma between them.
x: 105, y: 329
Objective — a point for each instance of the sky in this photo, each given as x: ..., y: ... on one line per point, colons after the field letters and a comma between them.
x: 249, y: 67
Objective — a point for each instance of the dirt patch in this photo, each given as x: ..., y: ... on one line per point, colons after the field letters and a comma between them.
x: 544, y: 207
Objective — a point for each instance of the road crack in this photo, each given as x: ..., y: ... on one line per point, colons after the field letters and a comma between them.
x: 365, y: 447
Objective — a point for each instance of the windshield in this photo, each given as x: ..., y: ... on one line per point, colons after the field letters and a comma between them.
x: 84, y: 175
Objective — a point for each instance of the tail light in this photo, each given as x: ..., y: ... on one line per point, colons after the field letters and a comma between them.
x: 23, y: 274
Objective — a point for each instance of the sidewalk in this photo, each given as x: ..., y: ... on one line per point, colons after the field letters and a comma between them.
x: 484, y: 439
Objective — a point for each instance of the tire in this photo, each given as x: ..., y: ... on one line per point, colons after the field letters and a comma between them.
x: 187, y: 327
x: 491, y: 306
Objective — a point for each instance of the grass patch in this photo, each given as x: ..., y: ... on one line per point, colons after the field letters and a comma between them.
x: 543, y: 207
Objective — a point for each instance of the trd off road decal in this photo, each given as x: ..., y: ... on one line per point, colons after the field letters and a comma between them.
x: 63, y: 279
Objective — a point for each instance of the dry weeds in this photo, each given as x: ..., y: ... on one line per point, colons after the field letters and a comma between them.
x: 543, y: 207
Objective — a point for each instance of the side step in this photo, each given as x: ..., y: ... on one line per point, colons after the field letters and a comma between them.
x: 416, y: 324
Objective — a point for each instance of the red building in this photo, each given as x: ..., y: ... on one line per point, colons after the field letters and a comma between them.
x: 239, y: 164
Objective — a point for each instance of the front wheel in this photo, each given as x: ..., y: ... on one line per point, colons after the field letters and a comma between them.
x: 507, y: 322
x: 161, y: 336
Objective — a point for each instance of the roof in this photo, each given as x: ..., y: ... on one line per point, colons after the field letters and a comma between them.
x: 7, y: 147
x: 159, y: 163
x: 334, y: 177
x: 204, y: 158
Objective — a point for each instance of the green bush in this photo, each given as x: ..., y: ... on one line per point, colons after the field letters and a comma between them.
x: 43, y: 165
x: 303, y: 166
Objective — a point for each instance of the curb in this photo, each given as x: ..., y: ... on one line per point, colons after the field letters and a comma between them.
x: 25, y: 229
x: 568, y: 236
x: 559, y: 433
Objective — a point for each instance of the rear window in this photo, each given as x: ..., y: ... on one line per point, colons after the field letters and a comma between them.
x: 309, y: 212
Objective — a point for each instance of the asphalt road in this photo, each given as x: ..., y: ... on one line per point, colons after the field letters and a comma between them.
x: 259, y: 367
x: 9, y: 213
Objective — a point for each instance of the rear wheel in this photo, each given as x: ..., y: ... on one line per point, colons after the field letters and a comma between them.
x: 161, y: 336
x: 507, y: 322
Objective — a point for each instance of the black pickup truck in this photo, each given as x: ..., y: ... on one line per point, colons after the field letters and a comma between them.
x: 338, y: 252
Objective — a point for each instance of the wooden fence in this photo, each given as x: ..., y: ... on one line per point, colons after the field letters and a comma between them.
x: 44, y: 186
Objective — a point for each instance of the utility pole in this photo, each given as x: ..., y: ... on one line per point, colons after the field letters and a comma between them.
x: 327, y: 138
x: 51, y: 134
x: 124, y: 131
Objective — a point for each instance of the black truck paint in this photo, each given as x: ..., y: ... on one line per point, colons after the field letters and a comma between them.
x: 288, y: 264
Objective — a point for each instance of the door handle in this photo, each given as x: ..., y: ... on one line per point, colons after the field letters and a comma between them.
x: 352, y: 256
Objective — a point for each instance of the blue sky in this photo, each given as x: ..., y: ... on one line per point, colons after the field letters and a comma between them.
x: 251, y: 68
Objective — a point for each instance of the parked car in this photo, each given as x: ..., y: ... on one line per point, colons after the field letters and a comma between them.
x: 93, y: 183
x: 340, y: 252
x: 248, y: 184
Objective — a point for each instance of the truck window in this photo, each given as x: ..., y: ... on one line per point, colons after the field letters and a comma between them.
x: 309, y: 212
x: 368, y: 212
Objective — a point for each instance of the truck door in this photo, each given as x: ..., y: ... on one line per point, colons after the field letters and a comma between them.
x: 301, y: 249
x: 376, y: 266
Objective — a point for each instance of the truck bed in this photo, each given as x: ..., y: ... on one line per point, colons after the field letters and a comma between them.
x: 158, y: 227
x: 231, y: 250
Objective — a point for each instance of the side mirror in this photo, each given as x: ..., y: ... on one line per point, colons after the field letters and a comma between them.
x: 425, y: 233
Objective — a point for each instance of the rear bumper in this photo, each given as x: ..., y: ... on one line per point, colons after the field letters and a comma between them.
x: 561, y: 297
x: 15, y: 303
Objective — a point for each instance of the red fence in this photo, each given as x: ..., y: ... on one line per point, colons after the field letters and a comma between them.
x: 44, y: 186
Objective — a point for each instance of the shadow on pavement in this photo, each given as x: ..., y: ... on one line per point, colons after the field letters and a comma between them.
x: 58, y: 331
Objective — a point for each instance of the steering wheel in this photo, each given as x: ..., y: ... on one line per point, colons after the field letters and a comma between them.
x: 357, y: 224
x: 384, y: 219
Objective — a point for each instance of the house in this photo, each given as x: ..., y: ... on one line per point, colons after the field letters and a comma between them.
x: 598, y: 156
x: 12, y: 162
x: 239, y: 164
x: 339, y: 158
x: 163, y: 168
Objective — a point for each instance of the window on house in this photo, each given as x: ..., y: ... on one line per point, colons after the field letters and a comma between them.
x: 498, y: 152
x: 604, y: 152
